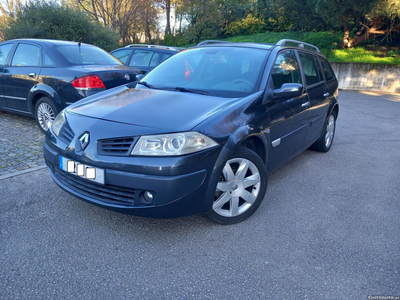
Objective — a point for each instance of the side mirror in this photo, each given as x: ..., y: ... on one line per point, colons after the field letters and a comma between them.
x: 289, y: 90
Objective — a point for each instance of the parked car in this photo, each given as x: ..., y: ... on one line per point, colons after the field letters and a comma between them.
x: 199, y: 133
x: 39, y: 78
x: 144, y: 57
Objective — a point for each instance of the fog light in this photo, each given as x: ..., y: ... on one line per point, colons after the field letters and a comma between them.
x: 148, y: 196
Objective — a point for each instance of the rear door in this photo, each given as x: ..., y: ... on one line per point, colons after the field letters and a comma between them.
x: 318, y: 95
x: 289, y: 116
x: 21, y: 75
x: 4, y: 52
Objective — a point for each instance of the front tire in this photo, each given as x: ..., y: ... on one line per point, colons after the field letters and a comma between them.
x: 45, y: 113
x: 240, y: 189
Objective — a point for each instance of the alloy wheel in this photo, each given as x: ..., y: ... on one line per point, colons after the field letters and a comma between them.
x: 237, y: 188
x: 45, y: 115
x: 330, y: 130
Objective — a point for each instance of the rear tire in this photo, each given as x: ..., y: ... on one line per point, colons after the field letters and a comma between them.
x: 45, y: 113
x: 240, y: 189
x: 324, y: 143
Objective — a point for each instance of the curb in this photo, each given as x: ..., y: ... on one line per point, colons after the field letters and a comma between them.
x: 22, y: 172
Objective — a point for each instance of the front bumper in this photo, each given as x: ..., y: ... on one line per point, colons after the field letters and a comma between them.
x: 179, y: 193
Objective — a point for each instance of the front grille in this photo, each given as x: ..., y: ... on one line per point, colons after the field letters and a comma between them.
x: 105, y: 193
x: 116, y: 146
x: 66, y: 134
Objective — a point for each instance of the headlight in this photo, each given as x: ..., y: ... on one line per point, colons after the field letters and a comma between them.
x: 58, y: 123
x: 172, y: 144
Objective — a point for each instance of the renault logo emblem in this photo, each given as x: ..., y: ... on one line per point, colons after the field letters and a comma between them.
x: 84, y: 140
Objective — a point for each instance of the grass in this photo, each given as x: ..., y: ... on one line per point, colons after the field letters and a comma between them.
x: 328, y: 43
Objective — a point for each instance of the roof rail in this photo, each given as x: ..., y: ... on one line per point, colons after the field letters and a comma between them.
x: 213, y: 42
x: 154, y: 47
x: 299, y: 44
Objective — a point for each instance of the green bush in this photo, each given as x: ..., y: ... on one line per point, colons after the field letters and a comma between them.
x: 50, y: 20
x: 250, y: 25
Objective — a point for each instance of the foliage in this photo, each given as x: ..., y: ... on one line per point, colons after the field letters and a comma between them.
x: 250, y: 25
x: 52, y: 21
x: 328, y: 43
x: 290, y: 15
x: 204, y: 20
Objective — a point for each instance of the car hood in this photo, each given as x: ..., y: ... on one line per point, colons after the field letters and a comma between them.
x: 167, y: 110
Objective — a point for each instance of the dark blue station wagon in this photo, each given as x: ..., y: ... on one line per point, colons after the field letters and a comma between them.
x: 199, y: 134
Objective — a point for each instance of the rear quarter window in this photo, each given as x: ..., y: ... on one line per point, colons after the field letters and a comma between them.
x: 329, y: 74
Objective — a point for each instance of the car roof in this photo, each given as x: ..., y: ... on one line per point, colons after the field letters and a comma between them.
x: 48, y: 41
x: 164, y: 49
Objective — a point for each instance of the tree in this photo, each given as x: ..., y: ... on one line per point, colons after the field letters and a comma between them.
x: 125, y: 16
x: 203, y: 18
x: 8, y: 11
x: 54, y: 21
x: 375, y: 18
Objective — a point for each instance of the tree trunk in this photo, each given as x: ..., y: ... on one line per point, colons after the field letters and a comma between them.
x: 346, y: 36
x: 168, y: 12
x: 376, y: 27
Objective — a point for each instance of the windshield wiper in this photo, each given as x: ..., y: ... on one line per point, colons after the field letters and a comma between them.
x: 185, y: 90
x: 146, y: 84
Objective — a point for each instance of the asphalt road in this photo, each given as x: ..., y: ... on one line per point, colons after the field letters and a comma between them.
x: 327, y: 229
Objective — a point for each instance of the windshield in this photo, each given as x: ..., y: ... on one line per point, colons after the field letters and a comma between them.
x: 222, y: 71
x: 86, y: 55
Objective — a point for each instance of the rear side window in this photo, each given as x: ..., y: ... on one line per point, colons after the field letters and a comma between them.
x: 122, y: 55
x: 141, y: 58
x: 154, y: 60
x: 26, y: 55
x: 310, y: 68
x: 286, y: 69
x: 4, y: 50
x: 329, y: 74
x: 165, y: 56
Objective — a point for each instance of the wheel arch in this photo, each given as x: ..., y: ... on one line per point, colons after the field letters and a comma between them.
x: 246, y: 136
x: 42, y: 90
x: 333, y: 108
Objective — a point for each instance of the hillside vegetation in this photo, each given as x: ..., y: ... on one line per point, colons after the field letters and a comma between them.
x: 328, y: 43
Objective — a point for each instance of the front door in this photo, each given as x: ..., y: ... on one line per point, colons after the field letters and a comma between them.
x: 22, y: 74
x: 288, y: 116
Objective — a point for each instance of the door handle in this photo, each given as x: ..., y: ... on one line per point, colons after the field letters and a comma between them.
x: 305, y: 104
x: 31, y: 74
x: 326, y: 94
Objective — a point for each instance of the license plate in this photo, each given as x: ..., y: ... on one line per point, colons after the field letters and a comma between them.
x: 81, y: 170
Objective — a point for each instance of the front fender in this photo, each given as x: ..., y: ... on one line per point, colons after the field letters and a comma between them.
x: 235, y: 141
x: 43, y: 90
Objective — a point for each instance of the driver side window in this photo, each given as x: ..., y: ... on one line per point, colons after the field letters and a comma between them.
x: 285, y: 70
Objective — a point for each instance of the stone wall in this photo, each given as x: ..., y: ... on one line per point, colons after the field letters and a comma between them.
x: 368, y: 77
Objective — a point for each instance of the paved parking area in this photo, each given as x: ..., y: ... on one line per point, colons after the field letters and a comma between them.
x: 20, y: 144
x: 328, y: 229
